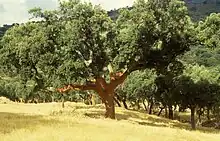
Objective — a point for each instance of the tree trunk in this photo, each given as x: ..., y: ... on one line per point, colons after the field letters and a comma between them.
x: 170, y: 112
x: 124, y: 103
x: 52, y: 98
x: 83, y: 99
x: 93, y: 100
x: 151, y: 107
x: 193, y: 123
x: 161, y: 109
x: 199, y: 120
x: 117, y: 102
x: 175, y: 107
x: 166, y: 113
x: 137, y: 104
x: 63, y: 101
x: 118, y: 97
x: 109, y: 106
x: 145, y: 107
x: 26, y: 100
x: 208, y: 113
x: 199, y: 112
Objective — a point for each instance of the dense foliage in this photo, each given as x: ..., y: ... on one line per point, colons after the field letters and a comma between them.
x: 153, y: 49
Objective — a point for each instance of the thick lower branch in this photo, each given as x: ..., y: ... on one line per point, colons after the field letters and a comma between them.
x: 69, y: 87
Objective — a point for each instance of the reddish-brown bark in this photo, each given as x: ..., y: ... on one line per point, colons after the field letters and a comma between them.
x: 104, y: 89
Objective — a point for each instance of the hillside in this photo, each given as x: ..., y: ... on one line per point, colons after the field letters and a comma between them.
x: 78, y: 122
x: 4, y: 28
x: 198, y: 9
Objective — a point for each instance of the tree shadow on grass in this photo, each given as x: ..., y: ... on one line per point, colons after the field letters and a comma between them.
x: 149, y: 120
x: 89, y: 107
x: 10, y: 122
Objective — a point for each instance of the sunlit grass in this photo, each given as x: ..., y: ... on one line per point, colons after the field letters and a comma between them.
x: 78, y: 122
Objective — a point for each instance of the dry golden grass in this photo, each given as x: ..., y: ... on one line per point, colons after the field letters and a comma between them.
x: 78, y: 122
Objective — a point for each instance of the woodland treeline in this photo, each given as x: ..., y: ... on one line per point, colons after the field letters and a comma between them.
x: 152, y: 54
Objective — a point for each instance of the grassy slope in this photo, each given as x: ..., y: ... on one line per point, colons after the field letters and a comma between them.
x: 47, y: 122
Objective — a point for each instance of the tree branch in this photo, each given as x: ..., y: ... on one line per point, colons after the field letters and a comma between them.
x: 69, y: 87
x: 119, y: 79
x: 81, y: 97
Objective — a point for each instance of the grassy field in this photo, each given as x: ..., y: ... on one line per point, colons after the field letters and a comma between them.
x: 78, y: 122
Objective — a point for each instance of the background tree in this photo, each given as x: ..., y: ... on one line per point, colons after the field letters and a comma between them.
x: 139, y: 86
x: 207, y: 53
x: 197, y: 87
x: 165, y: 82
